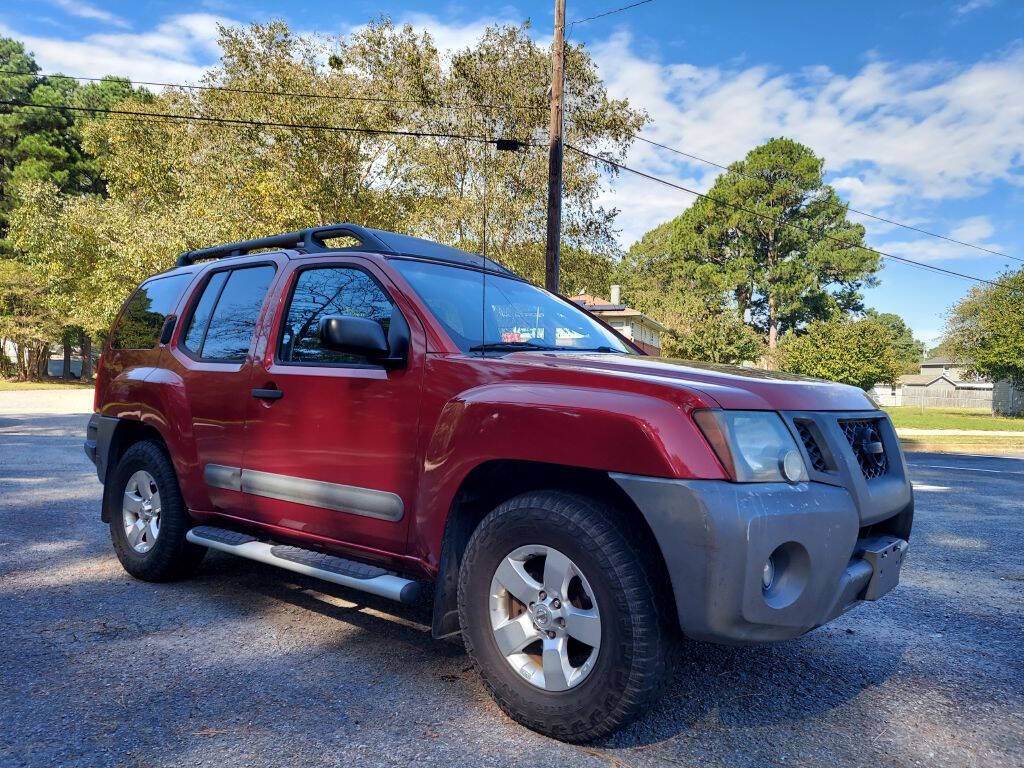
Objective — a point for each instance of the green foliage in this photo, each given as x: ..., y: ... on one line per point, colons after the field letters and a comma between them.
x: 776, y: 249
x: 44, y: 169
x: 702, y: 331
x: 909, y: 351
x: 986, y: 330
x: 858, y: 352
x: 173, y: 186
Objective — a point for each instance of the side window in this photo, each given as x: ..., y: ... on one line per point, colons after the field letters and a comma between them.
x: 201, y: 315
x: 143, y: 317
x: 327, y: 291
x: 224, y: 318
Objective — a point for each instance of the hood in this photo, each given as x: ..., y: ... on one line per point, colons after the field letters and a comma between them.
x: 728, y: 385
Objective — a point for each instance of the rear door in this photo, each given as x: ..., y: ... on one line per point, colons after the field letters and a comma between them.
x: 333, y: 456
x: 212, y: 354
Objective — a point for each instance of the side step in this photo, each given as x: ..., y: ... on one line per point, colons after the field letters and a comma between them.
x: 337, y: 570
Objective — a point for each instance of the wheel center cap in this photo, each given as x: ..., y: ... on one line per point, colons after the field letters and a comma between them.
x: 541, y: 616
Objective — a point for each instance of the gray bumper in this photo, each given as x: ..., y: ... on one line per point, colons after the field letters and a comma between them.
x: 715, y: 537
x: 98, y: 436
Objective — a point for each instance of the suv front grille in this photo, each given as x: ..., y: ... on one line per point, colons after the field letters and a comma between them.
x: 813, y: 449
x: 866, y: 441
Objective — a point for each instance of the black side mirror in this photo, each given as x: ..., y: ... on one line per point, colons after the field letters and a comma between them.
x: 357, y: 336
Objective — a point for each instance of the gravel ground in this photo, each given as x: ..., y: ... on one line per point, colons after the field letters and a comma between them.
x: 249, y: 665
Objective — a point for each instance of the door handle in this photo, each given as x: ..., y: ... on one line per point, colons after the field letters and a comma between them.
x: 268, y: 394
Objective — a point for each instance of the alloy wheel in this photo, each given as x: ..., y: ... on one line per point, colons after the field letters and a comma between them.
x: 544, y: 617
x: 140, y: 509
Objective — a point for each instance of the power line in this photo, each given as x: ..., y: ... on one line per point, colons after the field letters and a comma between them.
x: 738, y: 207
x: 851, y: 208
x: 609, y: 13
x: 506, y: 143
x: 290, y: 94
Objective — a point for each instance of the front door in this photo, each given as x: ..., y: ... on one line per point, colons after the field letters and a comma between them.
x: 331, y: 452
x: 212, y: 356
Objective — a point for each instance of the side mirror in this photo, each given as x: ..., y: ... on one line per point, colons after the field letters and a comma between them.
x: 356, y: 336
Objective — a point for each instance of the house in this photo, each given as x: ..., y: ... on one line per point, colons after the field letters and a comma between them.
x: 945, y: 383
x: 642, y: 330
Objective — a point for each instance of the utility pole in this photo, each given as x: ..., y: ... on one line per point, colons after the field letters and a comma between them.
x: 552, y: 254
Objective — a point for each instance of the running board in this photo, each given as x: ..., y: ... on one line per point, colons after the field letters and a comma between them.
x: 337, y: 570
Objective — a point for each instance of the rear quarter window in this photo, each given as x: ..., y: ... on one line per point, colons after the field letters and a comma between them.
x: 143, y: 316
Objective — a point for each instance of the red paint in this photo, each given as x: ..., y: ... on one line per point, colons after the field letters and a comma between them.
x: 418, y: 431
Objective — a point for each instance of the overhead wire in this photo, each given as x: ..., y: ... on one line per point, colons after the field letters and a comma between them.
x: 166, y: 117
x: 263, y: 123
x: 850, y: 208
x: 484, y: 105
x: 289, y: 94
x: 736, y: 206
x: 609, y: 12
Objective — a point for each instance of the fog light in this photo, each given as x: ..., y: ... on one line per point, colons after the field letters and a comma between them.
x: 793, y: 468
x: 768, y: 574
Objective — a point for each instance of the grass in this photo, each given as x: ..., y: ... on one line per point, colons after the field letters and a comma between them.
x: 19, y: 386
x: 995, y: 445
x: 952, y: 418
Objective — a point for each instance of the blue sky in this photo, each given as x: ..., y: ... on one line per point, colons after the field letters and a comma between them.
x: 917, y: 107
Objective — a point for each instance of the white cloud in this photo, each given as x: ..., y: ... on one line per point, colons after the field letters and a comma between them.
x: 973, y: 229
x: 893, y: 135
x: 86, y: 11
x: 451, y: 37
x: 177, y: 50
x: 973, y: 5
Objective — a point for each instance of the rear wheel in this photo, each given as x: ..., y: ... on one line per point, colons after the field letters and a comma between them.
x: 558, y: 611
x: 148, y: 518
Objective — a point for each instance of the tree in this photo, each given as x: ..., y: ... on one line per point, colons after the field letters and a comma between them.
x: 858, y: 352
x: 771, y: 238
x: 709, y: 332
x: 986, y: 330
x: 909, y: 351
x: 41, y: 154
x: 176, y: 185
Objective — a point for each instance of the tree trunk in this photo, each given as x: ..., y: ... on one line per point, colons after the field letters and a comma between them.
x: 42, y: 361
x: 85, y: 341
x: 773, y: 306
x: 22, y: 365
x: 773, y: 325
x: 6, y: 368
x: 65, y: 368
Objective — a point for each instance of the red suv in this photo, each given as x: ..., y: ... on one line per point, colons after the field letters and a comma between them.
x: 417, y: 422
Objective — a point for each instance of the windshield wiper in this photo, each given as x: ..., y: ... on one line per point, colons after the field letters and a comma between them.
x: 511, y: 346
x: 519, y: 346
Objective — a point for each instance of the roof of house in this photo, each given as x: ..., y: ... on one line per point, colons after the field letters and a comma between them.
x: 601, y: 306
x: 927, y: 379
x: 937, y: 361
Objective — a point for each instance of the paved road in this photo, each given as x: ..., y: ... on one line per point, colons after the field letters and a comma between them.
x: 248, y: 665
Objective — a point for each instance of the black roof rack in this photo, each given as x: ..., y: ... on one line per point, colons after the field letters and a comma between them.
x: 313, y: 240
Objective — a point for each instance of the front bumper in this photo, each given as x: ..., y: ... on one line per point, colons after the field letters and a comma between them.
x: 716, y: 536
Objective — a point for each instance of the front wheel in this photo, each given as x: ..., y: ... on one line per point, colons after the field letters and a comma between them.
x: 559, y: 612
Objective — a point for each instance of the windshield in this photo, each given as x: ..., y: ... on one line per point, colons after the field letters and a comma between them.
x: 516, y: 315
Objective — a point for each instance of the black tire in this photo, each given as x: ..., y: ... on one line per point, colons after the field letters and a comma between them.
x: 629, y: 670
x: 171, y: 556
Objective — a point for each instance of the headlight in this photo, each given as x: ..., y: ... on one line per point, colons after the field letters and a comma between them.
x: 753, y: 446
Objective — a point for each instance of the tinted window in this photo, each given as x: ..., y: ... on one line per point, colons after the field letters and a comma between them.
x: 513, y: 313
x: 143, y: 317
x: 201, y: 315
x: 225, y: 316
x: 329, y: 291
